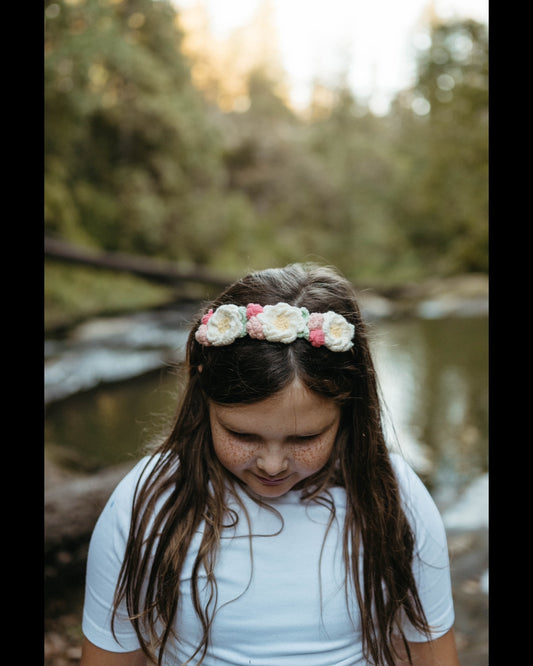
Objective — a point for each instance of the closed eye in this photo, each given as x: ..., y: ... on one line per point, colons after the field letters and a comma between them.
x: 243, y: 436
x: 251, y: 437
x: 303, y: 439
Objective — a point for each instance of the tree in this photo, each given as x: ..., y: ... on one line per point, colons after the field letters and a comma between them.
x: 139, y: 160
x: 129, y: 145
x: 442, y: 197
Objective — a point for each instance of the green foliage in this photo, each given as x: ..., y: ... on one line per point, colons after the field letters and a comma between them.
x: 73, y: 294
x: 137, y: 161
x: 128, y: 140
x: 444, y: 217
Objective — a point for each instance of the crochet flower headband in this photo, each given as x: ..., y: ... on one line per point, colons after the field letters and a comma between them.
x: 275, y: 323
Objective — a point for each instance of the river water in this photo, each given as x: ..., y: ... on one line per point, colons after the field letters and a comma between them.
x: 112, y: 387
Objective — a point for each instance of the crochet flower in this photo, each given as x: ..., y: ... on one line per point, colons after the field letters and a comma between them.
x: 224, y: 326
x: 201, y: 335
x: 207, y: 316
x: 283, y: 322
x: 316, y: 334
x: 276, y: 323
x: 254, y: 327
x: 338, y: 332
x: 253, y: 309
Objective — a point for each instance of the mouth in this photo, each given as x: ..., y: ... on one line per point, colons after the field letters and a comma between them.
x: 271, y: 482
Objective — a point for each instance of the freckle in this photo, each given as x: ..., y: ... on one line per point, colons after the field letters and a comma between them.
x: 309, y: 457
x: 237, y: 454
x: 313, y: 457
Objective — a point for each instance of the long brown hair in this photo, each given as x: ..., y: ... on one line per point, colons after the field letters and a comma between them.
x: 196, y: 489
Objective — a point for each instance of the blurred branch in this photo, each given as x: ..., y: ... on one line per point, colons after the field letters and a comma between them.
x: 151, y: 269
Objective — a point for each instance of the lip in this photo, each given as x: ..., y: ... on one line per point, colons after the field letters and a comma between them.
x: 271, y: 482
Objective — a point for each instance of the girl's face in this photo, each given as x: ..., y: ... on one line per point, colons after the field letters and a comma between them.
x: 274, y: 444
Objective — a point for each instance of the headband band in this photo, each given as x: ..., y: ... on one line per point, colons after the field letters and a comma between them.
x: 275, y: 323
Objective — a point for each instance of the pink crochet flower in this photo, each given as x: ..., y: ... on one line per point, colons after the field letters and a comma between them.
x: 316, y: 337
x: 254, y: 328
x: 201, y: 333
x: 316, y: 319
x: 207, y: 317
x: 316, y: 334
x: 253, y: 309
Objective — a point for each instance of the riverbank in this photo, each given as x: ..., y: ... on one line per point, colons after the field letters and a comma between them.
x: 456, y: 296
x: 469, y: 566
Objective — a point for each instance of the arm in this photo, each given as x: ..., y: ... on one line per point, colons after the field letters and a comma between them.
x: 95, y: 656
x: 431, y: 568
x: 440, y: 652
x: 104, y: 561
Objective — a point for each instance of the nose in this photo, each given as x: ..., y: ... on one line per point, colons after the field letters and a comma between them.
x: 272, y: 460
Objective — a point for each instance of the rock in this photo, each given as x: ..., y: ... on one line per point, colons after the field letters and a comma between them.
x: 72, y: 508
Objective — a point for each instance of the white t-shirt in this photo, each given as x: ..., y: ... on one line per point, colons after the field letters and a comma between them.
x: 283, y: 612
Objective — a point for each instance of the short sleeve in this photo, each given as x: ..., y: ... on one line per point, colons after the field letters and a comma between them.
x: 431, y: 565
x: 105, y: 557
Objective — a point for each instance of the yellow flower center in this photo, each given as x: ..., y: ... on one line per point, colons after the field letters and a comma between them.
x: 336, y: 330
x: 282, y: 322
x: 224, y: 324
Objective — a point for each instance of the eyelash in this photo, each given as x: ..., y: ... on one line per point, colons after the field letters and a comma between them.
x: 246, y: 437
x: 241, y: 435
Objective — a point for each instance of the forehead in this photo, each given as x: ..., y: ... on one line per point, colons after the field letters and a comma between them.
x: 293, y: 410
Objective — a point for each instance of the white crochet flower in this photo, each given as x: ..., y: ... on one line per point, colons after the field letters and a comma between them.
x: 226, y: 325
x: 282, y: 322
x: 338, y: 332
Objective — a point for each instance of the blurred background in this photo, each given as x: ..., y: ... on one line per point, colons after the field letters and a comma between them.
x: 188, y: 142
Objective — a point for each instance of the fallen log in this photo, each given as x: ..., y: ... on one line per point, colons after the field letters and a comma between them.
x: 71, y: 509
x: 157, y: 270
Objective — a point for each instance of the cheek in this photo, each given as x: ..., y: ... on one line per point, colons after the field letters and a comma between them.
x: 231, y: 454
x: 315, y: 457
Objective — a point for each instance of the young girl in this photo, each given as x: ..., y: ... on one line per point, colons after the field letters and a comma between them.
x: 272, y: 527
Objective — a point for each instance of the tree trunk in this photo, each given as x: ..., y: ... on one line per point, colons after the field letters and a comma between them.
x: 157, y: 270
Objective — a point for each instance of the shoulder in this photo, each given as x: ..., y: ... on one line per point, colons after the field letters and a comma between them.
x: 418, y: 504
x: 107, y: 551
x: 412, y: 489
x: 117, y: 512
x: 431, y: 566
x: 126, y: 487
